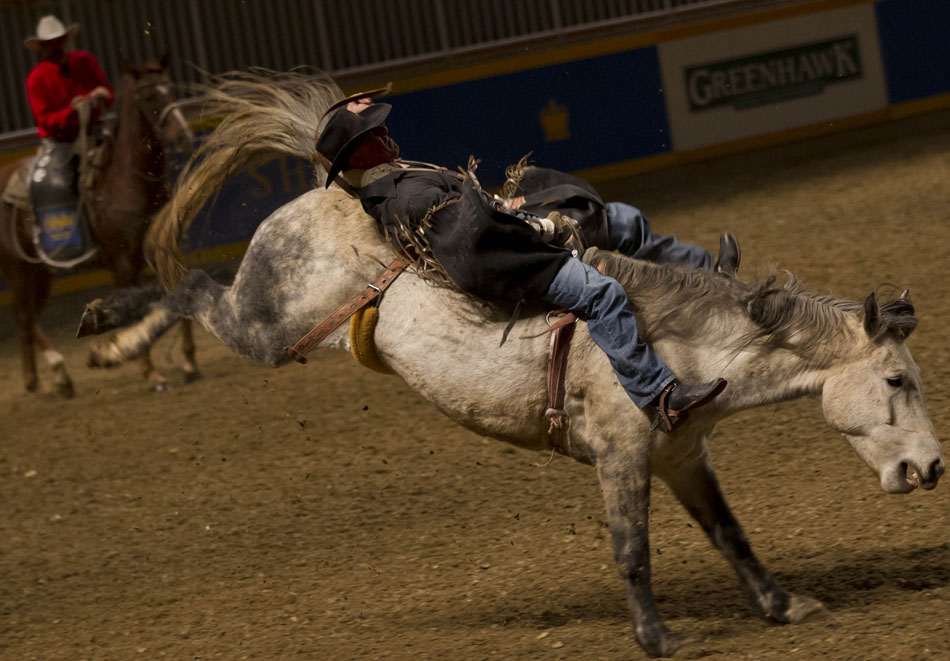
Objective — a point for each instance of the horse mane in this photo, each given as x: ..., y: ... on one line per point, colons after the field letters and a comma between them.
x: 263, y: 114
x: 682, y: 299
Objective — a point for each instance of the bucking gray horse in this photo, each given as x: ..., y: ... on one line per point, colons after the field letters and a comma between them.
x: 773, y: 343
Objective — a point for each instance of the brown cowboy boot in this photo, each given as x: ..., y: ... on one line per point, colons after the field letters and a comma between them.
x: 729, y: 255
x: 677, y: 399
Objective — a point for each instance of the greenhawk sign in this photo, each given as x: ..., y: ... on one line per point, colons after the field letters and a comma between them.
x: 773, y: 76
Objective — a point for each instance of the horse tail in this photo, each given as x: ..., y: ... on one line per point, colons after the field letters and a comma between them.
x: 263, y: 114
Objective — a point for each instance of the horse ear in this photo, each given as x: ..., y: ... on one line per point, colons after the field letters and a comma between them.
x: 130, y: 67
x: 905, y: 295
x: 872, y: 316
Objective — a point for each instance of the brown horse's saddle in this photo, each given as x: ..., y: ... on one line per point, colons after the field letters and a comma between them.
x: 49, y: 188
x: 17, y: 191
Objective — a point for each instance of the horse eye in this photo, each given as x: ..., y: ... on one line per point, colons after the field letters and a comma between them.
x: 895, y: 382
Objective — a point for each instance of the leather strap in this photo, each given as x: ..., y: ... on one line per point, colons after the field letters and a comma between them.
x: 560, y: 348
x: 558, y: 419
x: 309, y: 342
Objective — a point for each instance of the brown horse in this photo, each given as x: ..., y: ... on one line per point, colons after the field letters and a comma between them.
x: 130, y: 189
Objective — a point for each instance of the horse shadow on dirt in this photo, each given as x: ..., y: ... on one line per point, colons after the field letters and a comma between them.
x: 858, y: 580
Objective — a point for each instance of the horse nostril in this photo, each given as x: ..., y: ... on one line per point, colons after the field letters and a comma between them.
x: 937, y: 468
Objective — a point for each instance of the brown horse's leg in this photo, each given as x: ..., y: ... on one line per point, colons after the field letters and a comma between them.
x: 41, y: 283
x: 192, y: 372
x: 64, y: 384
x: 30, y: 285
x: 25, y: 324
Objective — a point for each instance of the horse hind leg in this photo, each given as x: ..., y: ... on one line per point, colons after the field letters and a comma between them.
x: 245, y: 320
x: 695, y: 485
x: 131, y: 342
x: 133, y: 307
x: 190, y: 366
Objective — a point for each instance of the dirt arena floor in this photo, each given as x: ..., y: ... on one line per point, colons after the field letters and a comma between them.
x: 328, y: 512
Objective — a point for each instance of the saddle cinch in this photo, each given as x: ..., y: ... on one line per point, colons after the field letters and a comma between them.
x: 50, y: 188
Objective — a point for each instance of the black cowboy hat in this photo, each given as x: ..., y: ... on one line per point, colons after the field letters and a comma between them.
x: 344, y: 132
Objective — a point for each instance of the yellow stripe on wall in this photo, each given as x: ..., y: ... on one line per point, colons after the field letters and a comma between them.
x: 607, y: 46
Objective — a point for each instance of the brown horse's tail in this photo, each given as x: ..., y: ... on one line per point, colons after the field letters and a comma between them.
x: 262, y: 114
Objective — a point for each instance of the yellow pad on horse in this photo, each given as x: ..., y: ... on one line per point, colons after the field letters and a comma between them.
x: 362, y: 327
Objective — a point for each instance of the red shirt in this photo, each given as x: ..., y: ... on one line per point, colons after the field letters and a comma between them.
x: 49, y: 92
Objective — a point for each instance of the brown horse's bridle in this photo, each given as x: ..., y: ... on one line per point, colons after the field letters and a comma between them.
x: 157, y: 125
x: 166, y: 111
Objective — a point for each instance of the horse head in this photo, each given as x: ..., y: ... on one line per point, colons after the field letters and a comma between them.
x: 876, y: 401
x: 154, y: 95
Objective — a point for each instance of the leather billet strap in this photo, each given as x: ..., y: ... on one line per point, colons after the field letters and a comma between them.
x: 664, y: 414
x: 309, y: 342
x: 562, y: 332
x: 560, y: 348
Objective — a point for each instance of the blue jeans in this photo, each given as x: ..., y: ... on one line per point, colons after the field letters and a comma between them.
x: 603, y: 303
x: 630, y: 234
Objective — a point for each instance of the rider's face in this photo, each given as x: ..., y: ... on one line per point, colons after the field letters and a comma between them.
x: 375, y: 149
x: 54, y: 49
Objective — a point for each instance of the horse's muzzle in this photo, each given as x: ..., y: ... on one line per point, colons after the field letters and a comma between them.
x: 907, y: 476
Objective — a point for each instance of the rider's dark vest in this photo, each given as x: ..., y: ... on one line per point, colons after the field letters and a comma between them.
x: 487, y: 252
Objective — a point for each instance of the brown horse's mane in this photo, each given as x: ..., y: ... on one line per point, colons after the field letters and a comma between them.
x: 680, y: 299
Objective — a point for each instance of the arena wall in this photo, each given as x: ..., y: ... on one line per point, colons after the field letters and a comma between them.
x: 626, y: 104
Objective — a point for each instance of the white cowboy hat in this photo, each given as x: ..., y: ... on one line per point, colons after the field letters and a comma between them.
x: 49, y: 27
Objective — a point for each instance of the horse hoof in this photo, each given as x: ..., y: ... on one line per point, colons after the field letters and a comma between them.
x: 800, y: 608
x: 103, y: 353
x: 162, y: 386
x: 668, y: 645
x: 192, y: 375
x: 95, y: 360
x: 66, y: 389
x: 91, y: 321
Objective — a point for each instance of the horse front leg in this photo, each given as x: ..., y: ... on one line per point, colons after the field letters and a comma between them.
x: 30, y: 285
x: 625, y: 483
x: 25, y: 326
x: 695, y: 485
x: 64, y: 384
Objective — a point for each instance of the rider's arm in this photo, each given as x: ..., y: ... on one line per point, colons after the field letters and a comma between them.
x: 60, y: 123
x: 96, y: 76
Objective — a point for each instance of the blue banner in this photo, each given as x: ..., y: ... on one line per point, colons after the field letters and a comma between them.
x: 571, y: 116
x: 915, y: 47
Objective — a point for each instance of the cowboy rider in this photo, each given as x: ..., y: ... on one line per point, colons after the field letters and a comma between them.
x: 501, y: 259
x: 62, y: 81
x: 67, y: 91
